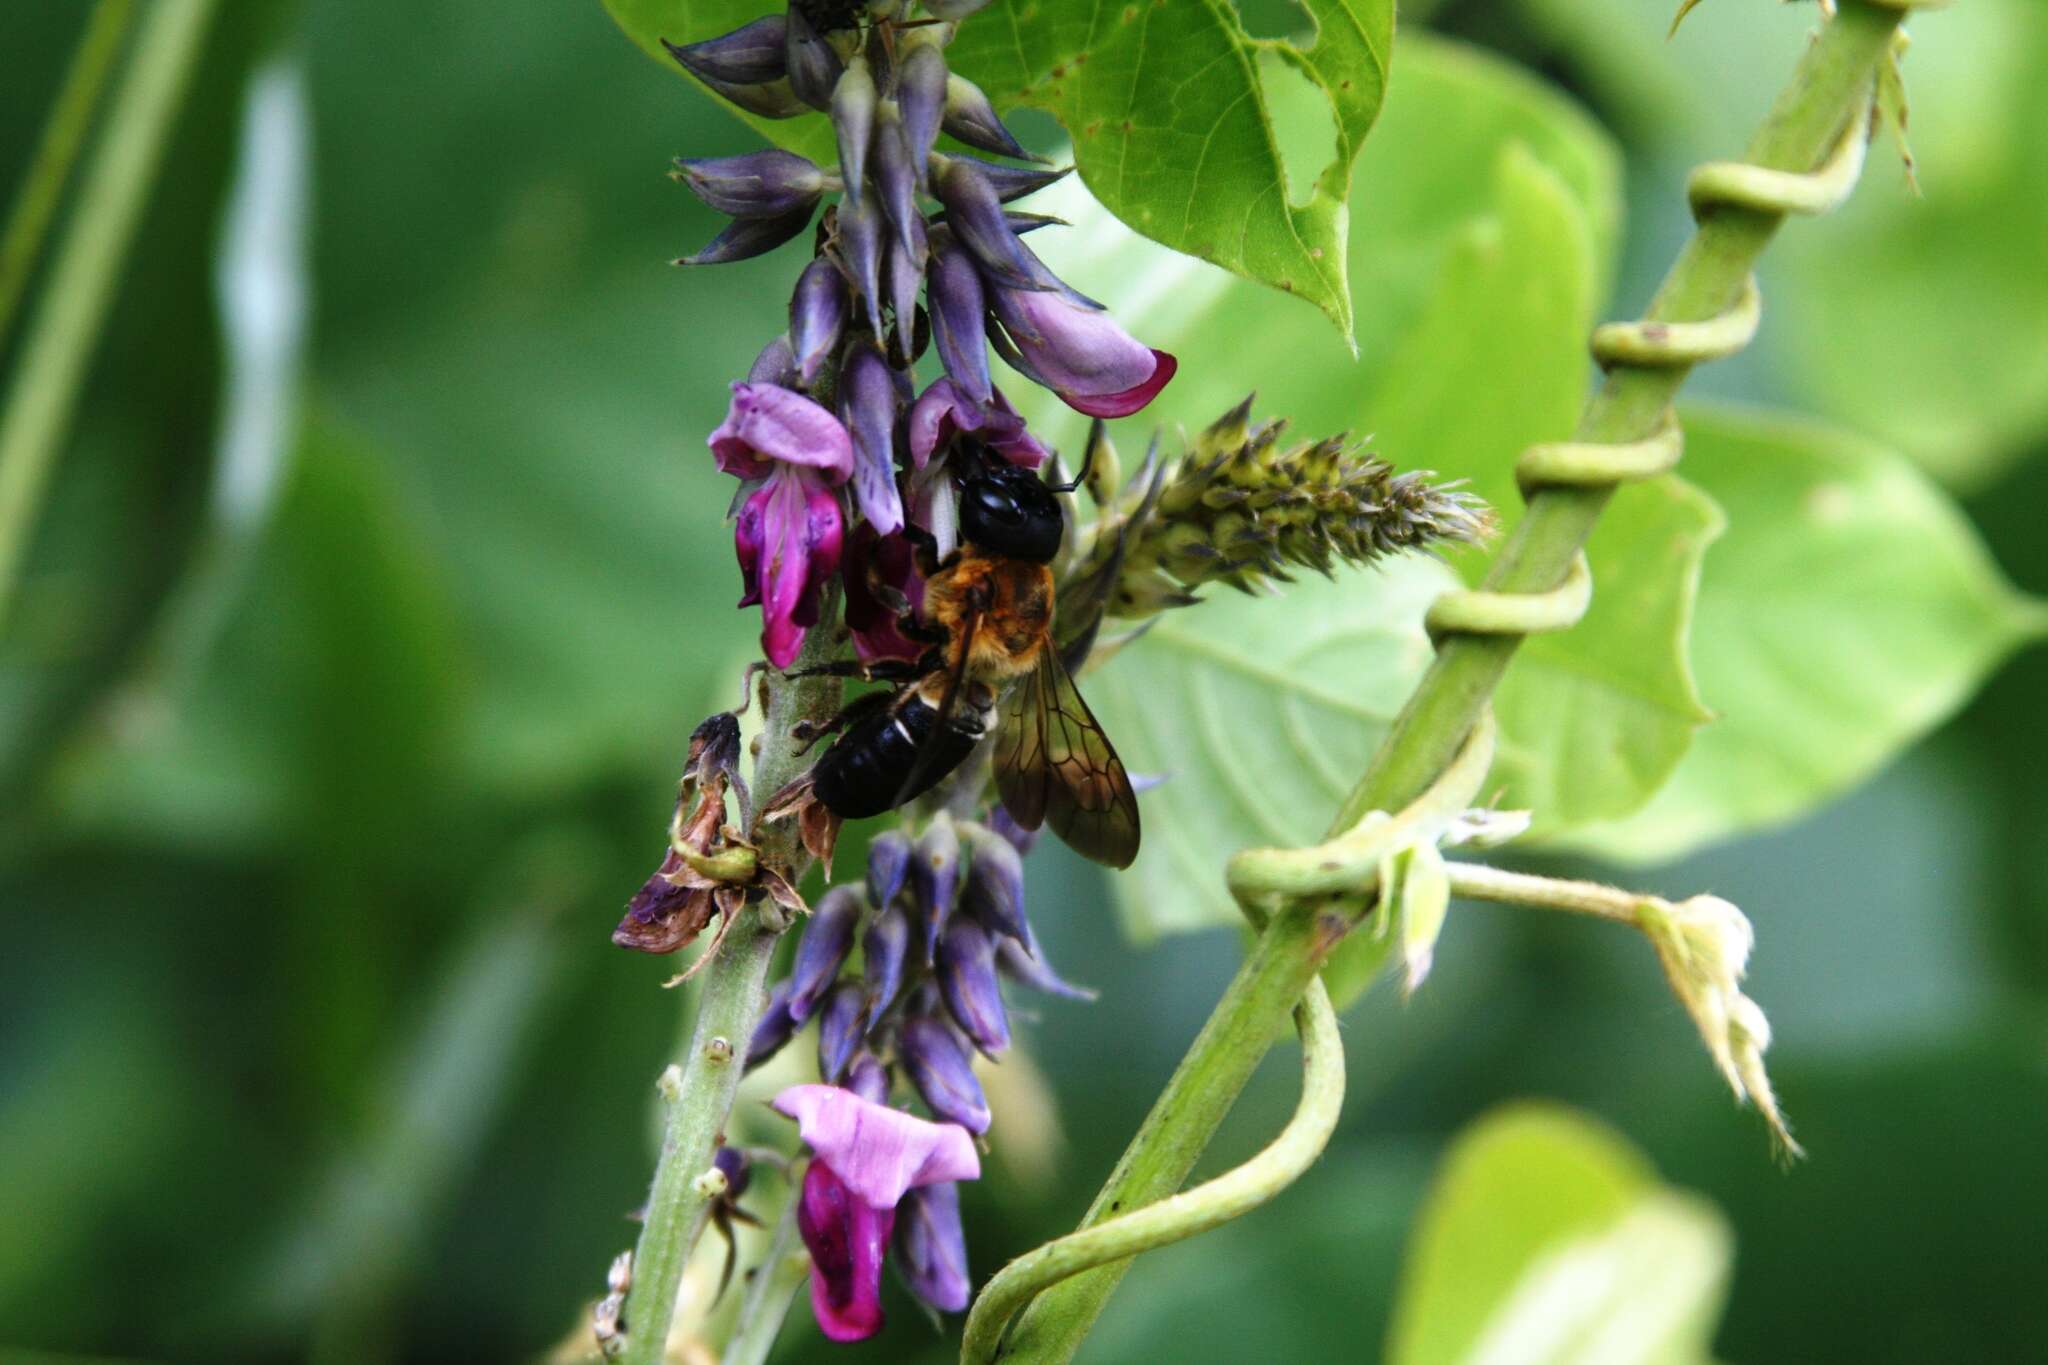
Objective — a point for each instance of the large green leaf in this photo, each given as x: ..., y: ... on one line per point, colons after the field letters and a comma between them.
x: 1849, y: 609
x: 1261, y: 713
x: 1548, y: 1239
x: 1171, y: 112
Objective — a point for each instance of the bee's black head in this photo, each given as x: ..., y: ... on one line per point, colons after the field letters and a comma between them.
x: 1009, y: 511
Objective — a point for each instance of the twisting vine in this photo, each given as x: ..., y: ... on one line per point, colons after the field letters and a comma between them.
x: 1805, y: 159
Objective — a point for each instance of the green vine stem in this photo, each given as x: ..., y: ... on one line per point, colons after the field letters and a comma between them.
x: 64, y: 133
x: 775, y: 1282
x: 74, y: 302
x: 1236, y: 1192
x: 697, y: 1093
x: 1804, y: 159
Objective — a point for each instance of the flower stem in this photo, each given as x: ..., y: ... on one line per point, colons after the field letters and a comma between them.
x: 774, y: 1284
x: 698, y: 1092
x: 44, y: 394
x: 1710, y: 280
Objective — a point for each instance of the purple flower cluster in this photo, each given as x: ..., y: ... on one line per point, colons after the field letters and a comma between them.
x: 938, y: 923
x: 832, y: 406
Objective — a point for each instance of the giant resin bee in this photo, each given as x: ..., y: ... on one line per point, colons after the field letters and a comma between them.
x: 994, y: 665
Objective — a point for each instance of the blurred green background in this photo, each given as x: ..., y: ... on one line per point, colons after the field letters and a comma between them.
x: 331, y: 745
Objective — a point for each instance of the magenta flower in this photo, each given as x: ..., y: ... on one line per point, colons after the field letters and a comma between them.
x: 945, y: 410
x: 789, y: 530
x: 1078, y: 352
x: 868, y: 1156
x: 881, y: 577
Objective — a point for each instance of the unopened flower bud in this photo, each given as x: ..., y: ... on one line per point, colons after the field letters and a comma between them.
x: 921, y: 91
x: 746, y: 238
x: 958, y: 311
x: 995, y: 881
x: 1002, y: 822
x: 1421, y: 896
x: 906, y: 276
x: 867, y: 406
x: 859, y: 234
x: 775, y: 1028
x: 868, y: 1078
x: 767, y: 184
x: 853, y: 123
x: 966, y: 970
x: 1025, y: 963
x: 839, y: 1029
x: 1012, y: 182
x: 931, y: 1247
x: 943, y: 1073
x: 770, y: 99
x: 896, y: 180
x: 817, y: 316
x: 748, y: 55
x: 935, y: 878
x: 776, y: 364
x: 975, y: 212
x: 970, y: 117
x: 884, y: 948
x: 827, y: 940
x: 736, y: 1167
x: 888, y: 864
x: 814, y: 64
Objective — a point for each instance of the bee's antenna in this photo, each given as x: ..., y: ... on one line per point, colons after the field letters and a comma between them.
x: 1095, y: 434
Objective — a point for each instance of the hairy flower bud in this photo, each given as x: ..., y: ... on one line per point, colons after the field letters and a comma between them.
x: 746, y: 238
x: 906, y: 275
x: 853, y: 123
x: 817, y: 316
x: 935, y: 878
x: 1024, y: 962
x: 839, y: 1028
x: 768, y: 184
x: 867, y: 405
x: 775, y: 1028
x: 995, y: 882
x: 884, y: 948
x: 776, y: 364
x: 975, y: 212
x: 827, y: 940
x: 921, y: 91
x: 749, y: 55
x: 868, y: 1078
x: 931, y: 1246
x: 859, y: 233
x: 943, y: 1073
x: 966, y: 970
x: 958, y: 309
x: 814, y: 64
x: 1012, y: 182
x: 888, y: 864
x: 896, y: 181
x: 970, y: 117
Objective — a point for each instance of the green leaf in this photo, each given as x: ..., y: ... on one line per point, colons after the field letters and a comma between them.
x: 648, y: 22
x: 1260, y: 712
x: 1849, y: 609
x: 1547, y: 1239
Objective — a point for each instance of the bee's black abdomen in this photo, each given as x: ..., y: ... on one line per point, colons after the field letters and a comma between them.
x: 864, y: 772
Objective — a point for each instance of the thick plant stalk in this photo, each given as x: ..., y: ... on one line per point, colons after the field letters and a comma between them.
x: 1804, y: 159
x: 697, y: 1093
x: 40, y: 402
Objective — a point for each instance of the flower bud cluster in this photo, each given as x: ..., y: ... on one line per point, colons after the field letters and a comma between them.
x: 902, y: 975
x: 920, y: 251
x: 1241, y: 508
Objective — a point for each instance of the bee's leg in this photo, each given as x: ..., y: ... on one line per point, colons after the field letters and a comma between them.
x: 806, y: 733
x: 924, y: 632
x: 881, y: 670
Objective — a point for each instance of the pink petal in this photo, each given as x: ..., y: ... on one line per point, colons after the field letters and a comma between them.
x: 794, y: 529
x: 1131, y: 399
x: 938, y: 412
x: 877, y: 1151
x: 768, y: 422
x: 847, y: 1241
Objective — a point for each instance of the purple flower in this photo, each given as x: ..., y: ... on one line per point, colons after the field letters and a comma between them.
x: 868, y: 1157
x: 847, y: 1241
x: 944, y: 411
x: 767, y: 424
x: 881, y: 578
x: 1078, y: 352
x: 789, y: 530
